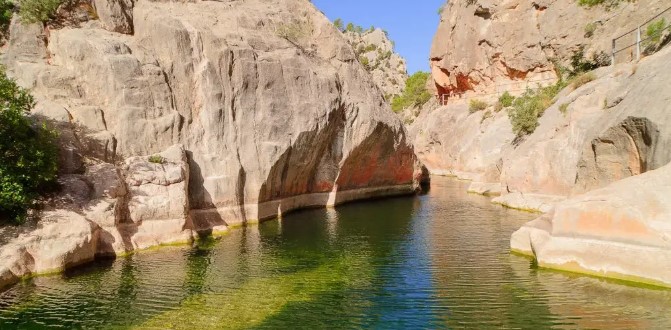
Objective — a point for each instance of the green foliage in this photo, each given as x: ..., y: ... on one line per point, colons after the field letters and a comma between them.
x: 506, y: 99
x: 415, y: 93
x: 655, y: 29
x: 441, y: 9
x: 33, y: 11
x: 563, y: 108
x: 527, y: 108
x: 338, y: 24
x: 351, y: 27
x: 582, y: 80
x: 6, y: 10
x: 476, y: 105
x: 294, y: 31
x: 590, y: 28
x: 609, y: 4
x: 580, y: 63
x: 370, y: 48
x: 156, y: 159
x: 28, y: 155
x: 365, y: 62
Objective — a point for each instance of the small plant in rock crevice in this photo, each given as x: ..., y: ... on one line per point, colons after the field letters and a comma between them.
x: 563, y: 108
x: 156, y: 159
x: 476, y: 105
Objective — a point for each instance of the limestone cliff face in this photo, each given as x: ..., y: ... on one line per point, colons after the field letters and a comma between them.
x: 487, y: 46
x: 376, y: 51
x: 596, y: 163
x: 261, y: 106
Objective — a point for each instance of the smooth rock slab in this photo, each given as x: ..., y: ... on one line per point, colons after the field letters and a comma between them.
x: 65, y: 240
x: 621, y: 231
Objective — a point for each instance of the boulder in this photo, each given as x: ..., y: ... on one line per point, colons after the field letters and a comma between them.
x: 115, y: 15
x: 622, y: 231
x: 65, y: 239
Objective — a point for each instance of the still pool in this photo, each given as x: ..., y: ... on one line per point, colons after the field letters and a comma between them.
x: 439, y: 260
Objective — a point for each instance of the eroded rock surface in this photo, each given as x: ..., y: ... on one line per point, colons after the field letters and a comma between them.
x: 376, y: 50
x: 65, y: 239
x: 256, y: 108
x: 622, y: 230
x: 487, y: 46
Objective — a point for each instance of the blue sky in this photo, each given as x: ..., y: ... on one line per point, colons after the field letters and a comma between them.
x: 411, y: 24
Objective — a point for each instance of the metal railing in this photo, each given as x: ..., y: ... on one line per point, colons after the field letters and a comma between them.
x: 500, y: 90
x: 634, y: 38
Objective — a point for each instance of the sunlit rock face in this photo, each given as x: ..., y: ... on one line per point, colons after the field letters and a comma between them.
x: 621, y: 231
x: 486, y: 46
x: 376, y: 50
x: 255, y: 107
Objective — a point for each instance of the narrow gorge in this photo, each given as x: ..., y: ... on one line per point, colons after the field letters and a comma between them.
x: 204, y: 151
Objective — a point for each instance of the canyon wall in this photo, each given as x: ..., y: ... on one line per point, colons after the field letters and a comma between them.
x: 177, y: 118
x: 596, y: 164
x: 489, y: 46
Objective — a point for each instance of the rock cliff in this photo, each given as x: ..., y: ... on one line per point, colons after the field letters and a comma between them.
x: 488, y: 46
x: 612, y: 127
x: 178, y: 118
x: 376, y: 52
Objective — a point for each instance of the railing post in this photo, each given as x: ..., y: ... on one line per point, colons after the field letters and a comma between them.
x: 612, y: 55
x: 638, y: 43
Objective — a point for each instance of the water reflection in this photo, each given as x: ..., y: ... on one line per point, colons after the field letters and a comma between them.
x: 434, y: 261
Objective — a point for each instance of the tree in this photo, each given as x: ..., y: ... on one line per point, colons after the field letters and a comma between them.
x: 350, y: 27
x: 28, y: 154
x: 414, y: 94
x: 338, y: 24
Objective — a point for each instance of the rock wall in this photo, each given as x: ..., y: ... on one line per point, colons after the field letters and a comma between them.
x: 488, y: 46
x: 388, y: 68
x: 256, y: 108
x: 597, y: 162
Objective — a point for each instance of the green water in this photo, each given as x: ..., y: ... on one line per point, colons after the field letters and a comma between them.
x: 435, y: 261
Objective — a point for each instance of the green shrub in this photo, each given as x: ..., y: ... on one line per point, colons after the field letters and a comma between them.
x: 156, y: 159
x: 530, y: 106
x: 365, y: 62
x: 370, y: 48
x: 582, y: 80
x: 506, y: 99
x: 563, y: 108
x: 415, y: 93
x: 28, y: 154
x: 6, y: 11
x: 655, y: 30
x: 606, y: 3
x: 33, y: 11
x: 590, y: 28
x: 476, y: 105
x: 338, y: 24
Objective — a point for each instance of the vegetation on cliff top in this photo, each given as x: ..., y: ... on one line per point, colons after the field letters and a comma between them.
x: 32, y: 11
x: 415, y: 93
x: 28, y: 154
